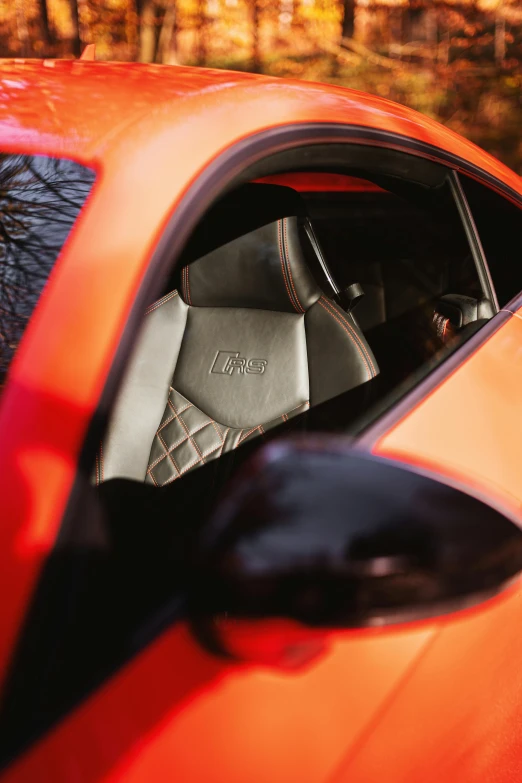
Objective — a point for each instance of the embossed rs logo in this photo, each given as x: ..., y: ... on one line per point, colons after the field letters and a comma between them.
x: 228, y: 362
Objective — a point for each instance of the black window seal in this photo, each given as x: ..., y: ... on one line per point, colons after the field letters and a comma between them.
x: 220, y: 173
x: 514, y: 304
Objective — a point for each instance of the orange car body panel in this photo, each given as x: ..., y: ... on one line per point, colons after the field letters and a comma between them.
x: 174, y: 711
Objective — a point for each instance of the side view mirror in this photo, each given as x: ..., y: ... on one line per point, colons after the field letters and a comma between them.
x: 314, y: 537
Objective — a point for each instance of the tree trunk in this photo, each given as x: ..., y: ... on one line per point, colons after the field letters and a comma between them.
x: 201, y: 44
x: 76, y: 42
x: 148, y: 43
x: 348, y: 25
x: 420, y: 23
x: 22, y: 30
x: 500, y: 36
x: 44, y: 21
x: 167, y: 38
x: 256, y: 57
x: 131, y: 28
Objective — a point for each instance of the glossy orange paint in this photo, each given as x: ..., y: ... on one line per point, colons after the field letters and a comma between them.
x: 468, y: 429
x: 149, y: 132
x: 175, y: 712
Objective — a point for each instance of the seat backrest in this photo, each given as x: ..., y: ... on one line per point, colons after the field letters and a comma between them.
x: 248, y: 341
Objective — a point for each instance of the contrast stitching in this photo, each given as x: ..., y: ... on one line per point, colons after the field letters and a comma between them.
x: 179, y: 443
x: 190, y: 434
x: 260, y: 426
x: 332, y: 310
x: 174, y: 415
x: 208, y: 453
x: 193, y: 442
x: 187, y: 285
x: 167, y: 452
x: 160, y: 302
x: 170, y: 480
x: 97, y: 471
x: 281, y: 257
x: 219, y: 434
x: 334, y: 315
x: 167, y: 421
x: 241, y: 439
x: 152, y: 477
x: 289, y: 267
x: 185, y: 469
x: 188, y: 288
x: 202, y: 427
x: 306, y: 402
x: 191, y: 465
x: 224, y: 439
x: 358, y: 338
x: 189, y: 405
x: 101, y: 460
x: 157, y: 461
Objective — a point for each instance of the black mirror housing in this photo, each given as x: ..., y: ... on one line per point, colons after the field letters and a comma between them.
x: 325, y: 537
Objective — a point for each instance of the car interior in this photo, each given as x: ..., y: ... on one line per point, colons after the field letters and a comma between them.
x: 302, y: 299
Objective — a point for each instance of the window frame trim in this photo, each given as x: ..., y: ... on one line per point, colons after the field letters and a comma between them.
x: 219, y: 174
x: 473, y: 237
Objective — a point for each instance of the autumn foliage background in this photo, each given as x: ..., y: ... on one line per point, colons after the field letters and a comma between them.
x: 459, y: 61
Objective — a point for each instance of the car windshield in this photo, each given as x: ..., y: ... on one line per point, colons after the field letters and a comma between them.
x: 40, y: 198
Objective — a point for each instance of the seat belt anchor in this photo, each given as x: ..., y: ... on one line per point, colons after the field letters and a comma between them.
x: 350, y: 296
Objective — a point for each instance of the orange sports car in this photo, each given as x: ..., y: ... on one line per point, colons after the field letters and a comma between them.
x: 261, y: 439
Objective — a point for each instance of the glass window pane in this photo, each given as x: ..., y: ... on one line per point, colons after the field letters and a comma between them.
x: 499, y: 224
x: 40, y: 198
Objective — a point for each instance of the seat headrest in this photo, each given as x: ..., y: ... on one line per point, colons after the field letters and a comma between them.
x: 260, y: 264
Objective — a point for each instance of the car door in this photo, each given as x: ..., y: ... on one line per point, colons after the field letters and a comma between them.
x: 466, y: 428
x: 175, y: 710
x: 458, y: 713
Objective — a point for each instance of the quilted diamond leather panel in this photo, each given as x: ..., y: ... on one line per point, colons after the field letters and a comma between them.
x: 187, y: 437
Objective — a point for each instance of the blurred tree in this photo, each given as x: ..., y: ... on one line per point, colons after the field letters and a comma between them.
x: 43, y: 15
x: 21, y: 27
x: 166, y: 49
x: 254, y: 16
x: 458, y: 60
x: 131, y: 28
x: 76, y: 42
x: 348, y: 25
x: 201, y: 26
x: 147, y: 10
x: 500, y: 34
x: 420, y: 22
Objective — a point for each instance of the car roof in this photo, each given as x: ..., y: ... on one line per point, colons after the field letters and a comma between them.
x: 82, y: 109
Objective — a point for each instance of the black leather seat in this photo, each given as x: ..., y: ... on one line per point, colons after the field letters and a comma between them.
x: 248, y: 342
